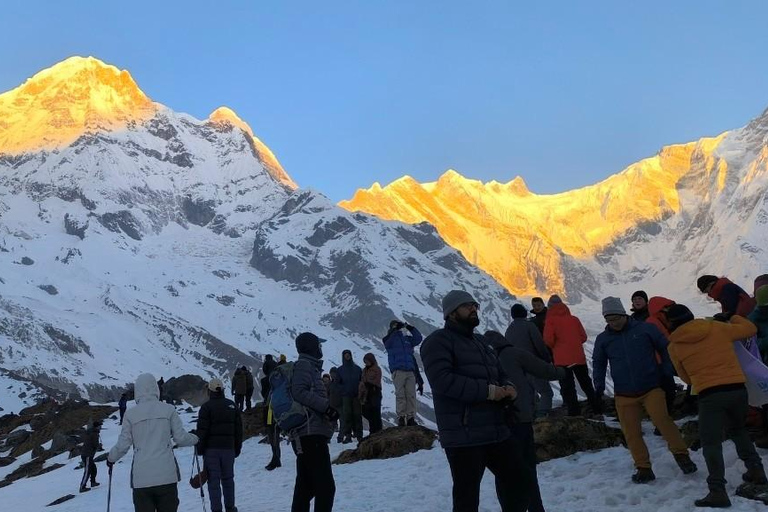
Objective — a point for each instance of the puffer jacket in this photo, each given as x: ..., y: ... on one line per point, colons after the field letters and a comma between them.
x: 219, y: 425
x: 657, y: 318
x: 349, y: 377
x: 400, y: 348
x: 759, y: 317
x: 565, y: 336
x: 239, y: 383
x: 152, y: 428
x: 632, y: 354
x: 703, y: 355
x: 307, y: 388
x: 90, y: 442
x: 732, y: 298
x: 337, y: 391
x: 524, y: 334
x: 460, y: 364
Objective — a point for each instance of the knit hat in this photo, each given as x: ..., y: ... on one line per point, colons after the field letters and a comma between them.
x: 554, y: 299
x: 613, y: 306
x: 454, y: 299
x: 761, y: 295
x: 519, y: 311
x: 308, y: 343
x: 705, y: 281
x: 640, y: 293
x: 677, y: 315
x: 215, y: 385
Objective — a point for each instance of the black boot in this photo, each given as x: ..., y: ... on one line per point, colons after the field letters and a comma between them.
x: 273, y: 464
x: 411, y: 422
x: 685, y: 464
x: 643, y: 476
x: 715, y: 499
x: 755, y: 475
x: 84, y: 489
x: 401, y: 421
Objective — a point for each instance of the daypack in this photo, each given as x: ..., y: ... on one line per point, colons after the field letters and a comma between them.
x: 286, y: 412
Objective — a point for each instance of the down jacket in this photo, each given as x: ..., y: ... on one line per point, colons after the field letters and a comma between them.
x: 657, y: 318
x: 308, y: 389
x: 460, y: 364
x: 400, y: 348
x: 565, y: 336
x: 524, y: 334
x: 152, y: 428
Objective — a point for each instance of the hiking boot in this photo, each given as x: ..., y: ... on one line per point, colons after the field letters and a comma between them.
x: 715, y: 499
x: 231, y: 509
x: 401, y: 421
x: 685, y: 464
x: 755, y: 475
x: 84, y: 489
x: 339, y: 439
x: 411, y: 422
x: 643, y: 476
x: 273, y: 465
x: 656, y: 431
x: 347, y: 440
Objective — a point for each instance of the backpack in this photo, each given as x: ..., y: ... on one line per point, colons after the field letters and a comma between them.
x: 286, y: 412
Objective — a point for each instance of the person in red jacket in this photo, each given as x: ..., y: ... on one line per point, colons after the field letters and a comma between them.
x: 657, y: 309
x: 565, y: 336
x: 732, y: 297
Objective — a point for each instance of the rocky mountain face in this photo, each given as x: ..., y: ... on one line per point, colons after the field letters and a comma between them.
x: 134, y: 238
x: 692, y: 208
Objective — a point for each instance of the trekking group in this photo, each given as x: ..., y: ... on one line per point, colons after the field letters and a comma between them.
x: 488, y: 390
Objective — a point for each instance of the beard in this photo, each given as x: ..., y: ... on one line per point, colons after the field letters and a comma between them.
x: 470, y: 321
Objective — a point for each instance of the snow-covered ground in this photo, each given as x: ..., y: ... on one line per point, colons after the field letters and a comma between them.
x: 419, y: 482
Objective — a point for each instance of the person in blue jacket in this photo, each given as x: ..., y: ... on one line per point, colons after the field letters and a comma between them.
x: 350, y: 375
x: 400, y: 341
x: 631, y: 348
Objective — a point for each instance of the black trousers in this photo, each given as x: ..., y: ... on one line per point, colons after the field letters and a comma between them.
x: 89, y: 470
x: 273, y: 432
x: 314, y: 477
x: 122, y: 414
x: 670, y: 392
x: 523, y: 432
x: 248, y: 398
x: 504, y: 460
x: 372, y: 409
x: 160, y: 498
x: 568, y: 389
x: 239, y: 401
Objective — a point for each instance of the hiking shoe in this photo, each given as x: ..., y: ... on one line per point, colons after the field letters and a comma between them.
x: 231, y: 509
x: 347, y: 440
x: 715, y: 499
x: 656, y: 432
x: 755, y: 475
x: 94, y: 483
x: 339, y: 439
x: 273, y: 465
x: 84, y: 489
x: 685, y: 464
x: 401, y: 421
x: 643, y: 476
x: 411, y: 422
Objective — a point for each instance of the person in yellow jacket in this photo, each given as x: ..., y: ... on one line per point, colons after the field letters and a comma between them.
x: 703, y: 354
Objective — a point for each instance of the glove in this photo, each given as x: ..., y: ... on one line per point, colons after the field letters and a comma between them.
x: 496, y: 393
x: 409, y: 327
x: 110, y: 465
x: 420, y: 389
x: 511, y: 391
x: 332, y: 414
x: 400, y: 325
x: 561, y: 373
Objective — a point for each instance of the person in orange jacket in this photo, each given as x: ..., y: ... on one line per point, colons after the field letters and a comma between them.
x: 565, y: 336
x: 702, y: 352
x: 657, y: 308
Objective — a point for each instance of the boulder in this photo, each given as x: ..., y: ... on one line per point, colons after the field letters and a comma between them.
x: 753, y: 492
x: 18, y: 437
x: 37, y: 451
x: 390, y: 443
x: 255, y: 421
x: 6, y: 461
x: 557, y: 437
x: 63, y: 442
x: 189, y: 388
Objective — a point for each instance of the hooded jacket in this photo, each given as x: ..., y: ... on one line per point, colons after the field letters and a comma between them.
x: 349, y: 376
x: 337, y: 390
x: 152, y: 428
x: 632, y: 354
x: 524, y: 335
x: 90, y: 442
x: 371, y: 379
x: 732, y: 298
x: 400, y: 348
x: 703, y: 355
x: 565, y: 336
x: 219, y: 425
x: 655, y: 305
x: 239, y: 382
x: 307, y: 388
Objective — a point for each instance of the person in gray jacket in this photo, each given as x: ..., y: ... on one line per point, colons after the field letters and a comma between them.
x: 314, y: 476
x: 525, y: 335
x: 522, y: 368
x: 152, y: 428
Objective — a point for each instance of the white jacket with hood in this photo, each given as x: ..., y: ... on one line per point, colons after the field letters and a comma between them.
x: 152, y: 428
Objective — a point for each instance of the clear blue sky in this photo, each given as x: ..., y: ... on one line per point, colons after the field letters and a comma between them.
x: 347, y: 93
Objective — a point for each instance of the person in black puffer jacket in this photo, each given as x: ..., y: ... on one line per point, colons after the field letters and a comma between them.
x: 91, y: 444
x: 471, y: 395
x: 220, y: 430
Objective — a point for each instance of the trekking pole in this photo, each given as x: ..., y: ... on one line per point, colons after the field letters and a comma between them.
x: 202, y: 493
x: 109, y: 489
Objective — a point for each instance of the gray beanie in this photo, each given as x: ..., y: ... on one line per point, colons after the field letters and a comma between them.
x: 612, y: 306
x: 454, y: 299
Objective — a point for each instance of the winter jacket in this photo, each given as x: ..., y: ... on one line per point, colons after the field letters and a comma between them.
x: 631, y: 353
x: 539, y: 320
x: 565, y: 336
x: 371, y: 379
x: 732, y: 298
x: 90, y: 442
x: 152, y: 428
x: 219, y: 425
x: 239, y: 383
x: 703, y: 355
x: 337, y: 391
x: 400, y: 348
x: 349, y: 378
x: 524, y: 334
x: 460, y: 364
x: 641, y: 315
x: 656, y: 317
x: 307, y: 388
x: 522, y: 367
x: 759, y: 317
x: 248, y: 382
x: 123, y: 403
x: 268, y: 365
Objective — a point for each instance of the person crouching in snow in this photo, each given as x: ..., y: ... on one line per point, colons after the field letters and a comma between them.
x: 631, y: 347
x: 703, y: 354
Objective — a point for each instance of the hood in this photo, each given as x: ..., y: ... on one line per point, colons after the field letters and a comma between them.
x: 559, y: 309
x: 496, y: 339
x: 656, y: 304
x: 146, y: 389
x: 691, y: 332
x: 344, y: 361
x: 370, y: 357
x: 717, y: 289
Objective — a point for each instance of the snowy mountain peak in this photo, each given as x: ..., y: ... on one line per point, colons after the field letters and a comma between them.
x: 227, y: 115
x: 76, y: 96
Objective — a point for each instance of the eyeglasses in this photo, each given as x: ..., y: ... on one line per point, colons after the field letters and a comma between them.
x: 613, y: 318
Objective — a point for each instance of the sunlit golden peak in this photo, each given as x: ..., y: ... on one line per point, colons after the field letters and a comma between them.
x: 76, y: 96
x: 226, y: 114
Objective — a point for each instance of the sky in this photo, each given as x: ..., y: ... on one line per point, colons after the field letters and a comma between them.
x: 348, y: 93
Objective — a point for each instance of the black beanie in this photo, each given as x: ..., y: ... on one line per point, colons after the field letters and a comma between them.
x: 308, y: 343
x: 677, y: 315
x: 519, y: 311
x: 705, y: 281
x: 640, y: 293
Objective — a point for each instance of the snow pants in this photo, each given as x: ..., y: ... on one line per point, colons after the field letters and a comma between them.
x: 405, y: 393
x: 568, y: 389
x: 220, y: 464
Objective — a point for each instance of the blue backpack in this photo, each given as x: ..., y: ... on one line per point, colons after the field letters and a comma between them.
x: 287, y: 413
